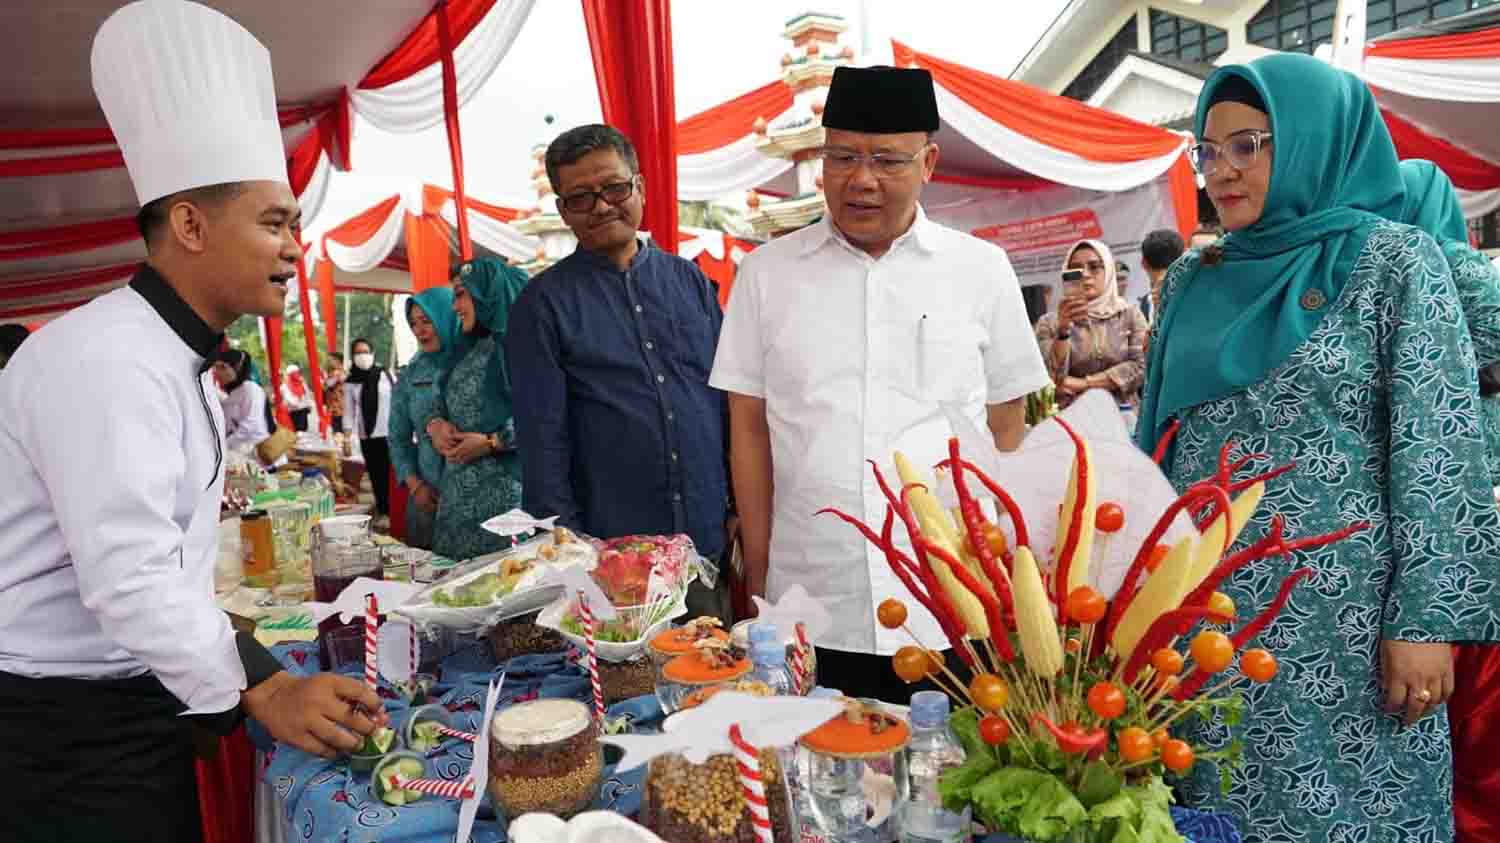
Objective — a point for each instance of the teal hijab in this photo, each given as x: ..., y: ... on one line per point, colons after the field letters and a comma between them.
x: 437, y: 303
x: 1431, y: 203
x: 1333, y: 167
x: 494, y: 286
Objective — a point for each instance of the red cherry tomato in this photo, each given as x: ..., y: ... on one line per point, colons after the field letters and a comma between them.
x: 1177, y: 755
x: 1086, y: 605
x: 1258, y: 665
x: 994, y: 730
x: 1109, y: 518
x: 1106, y: 700
x: 1135, y: 744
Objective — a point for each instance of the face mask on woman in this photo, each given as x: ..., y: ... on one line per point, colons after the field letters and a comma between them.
x: 364, y: 360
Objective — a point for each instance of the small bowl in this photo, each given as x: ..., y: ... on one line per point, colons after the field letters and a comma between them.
x: 425, y: 714
x: 365, y: 763
x: 389, y: 759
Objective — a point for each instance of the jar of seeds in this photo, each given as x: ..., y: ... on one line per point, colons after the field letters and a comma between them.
x: 544, y: 756
x: 704, y: 803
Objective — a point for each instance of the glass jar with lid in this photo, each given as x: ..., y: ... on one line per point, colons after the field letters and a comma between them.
x: 852, y: 771
x: 705, y: 803
x: 679, y: 641
x: 711, y: 663
x: 544, y: 756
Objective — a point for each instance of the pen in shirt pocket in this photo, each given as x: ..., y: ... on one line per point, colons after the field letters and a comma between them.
x: 921, y: 352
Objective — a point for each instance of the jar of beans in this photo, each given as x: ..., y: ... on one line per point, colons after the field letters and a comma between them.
x: 704, y: 803
x: 544, y: 756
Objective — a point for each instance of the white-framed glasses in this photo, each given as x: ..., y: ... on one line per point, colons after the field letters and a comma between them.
x: 1240, y: 149
x: 838, y: 160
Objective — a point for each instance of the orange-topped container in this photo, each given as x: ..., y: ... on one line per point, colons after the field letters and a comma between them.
x: 853, y: 772
x: 680, y: 641
x: 712, y: 662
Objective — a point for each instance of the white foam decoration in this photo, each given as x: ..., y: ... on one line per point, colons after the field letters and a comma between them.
x: 1036, y: 476
x: 704, y: 731
x: 573, y: 579
x: 518, y: 523
x: 394, y: 644
x: 880, y: 795
x: 588, y: 827
x: 479, y: 771
x: 795, y: 606
x: 350, y: 603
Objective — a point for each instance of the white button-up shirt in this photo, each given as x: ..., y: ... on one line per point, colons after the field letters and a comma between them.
x: 853, y: 356
x: 111, y: 444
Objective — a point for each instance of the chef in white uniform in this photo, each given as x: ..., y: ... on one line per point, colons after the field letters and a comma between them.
x: 839, y: 345
x: 112, y: 444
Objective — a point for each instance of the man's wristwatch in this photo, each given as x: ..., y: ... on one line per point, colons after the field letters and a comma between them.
x: 494, y: 440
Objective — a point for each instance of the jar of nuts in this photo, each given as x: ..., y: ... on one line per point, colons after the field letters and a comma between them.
x: 704, y: 803
x: 671, y: 643
x: 544, y: 756
x: 712, y: 662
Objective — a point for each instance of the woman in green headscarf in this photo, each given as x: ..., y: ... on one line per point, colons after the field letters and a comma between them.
x: 471, y: 425
x: 1320, y: 333
x: 418, y: 465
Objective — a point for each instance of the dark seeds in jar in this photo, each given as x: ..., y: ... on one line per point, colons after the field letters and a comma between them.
x: 704, y: 803
x: 626, y: 680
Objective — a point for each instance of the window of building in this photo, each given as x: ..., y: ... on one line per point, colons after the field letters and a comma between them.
x: 1301, y: 25
x: 1093, y: 75
x: 1186, y: 39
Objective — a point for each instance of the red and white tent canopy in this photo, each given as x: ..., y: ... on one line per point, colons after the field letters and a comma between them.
x: 66, y: 206
x: 1438, y: 87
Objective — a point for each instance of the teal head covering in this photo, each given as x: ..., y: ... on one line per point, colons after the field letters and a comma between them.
x: 1333, y: 166
x: 494, y: 286
x: 437, y: 303
x: 1431, y: 203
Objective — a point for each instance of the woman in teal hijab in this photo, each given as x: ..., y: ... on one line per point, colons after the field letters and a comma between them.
x: 1320, y: 333
x: 471, y: 425
x: 418, y: 465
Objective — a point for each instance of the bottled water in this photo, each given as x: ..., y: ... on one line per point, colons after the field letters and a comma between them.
x: 932, y: 751
x: 769, y: 665
x: 315, y: 490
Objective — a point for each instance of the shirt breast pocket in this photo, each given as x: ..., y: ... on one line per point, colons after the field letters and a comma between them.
x: 946, y: 364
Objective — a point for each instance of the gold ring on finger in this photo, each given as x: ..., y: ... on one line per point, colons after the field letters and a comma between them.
x: 1424, y: 695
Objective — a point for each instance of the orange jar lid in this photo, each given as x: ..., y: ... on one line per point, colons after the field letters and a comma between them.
x: 859, y: 733
x: 679, y: 641
x: 693, y: 669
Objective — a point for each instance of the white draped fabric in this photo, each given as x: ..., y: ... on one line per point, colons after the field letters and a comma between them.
x: 499, y: 237
x: 316, y: 192
x: 416, y: 103
x: 1454, y: 80
x: 735, y: 168
x: 366, y: 256
x: 1044, y: 161
x: 1478, y: 203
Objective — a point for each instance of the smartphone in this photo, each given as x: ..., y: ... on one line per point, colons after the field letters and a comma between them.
x: 1072, y: 281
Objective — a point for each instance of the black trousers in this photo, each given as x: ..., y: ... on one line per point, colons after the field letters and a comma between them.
x: 105, y: 760
x: 378, y: 465
x: 299, y: 419
x: 872, y: 677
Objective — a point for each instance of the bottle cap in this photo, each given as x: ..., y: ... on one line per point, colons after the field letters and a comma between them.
x: 769, y: 653
x: 929, y: 709
x: 762, y: 632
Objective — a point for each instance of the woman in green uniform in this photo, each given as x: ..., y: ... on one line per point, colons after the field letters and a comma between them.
x: 1320, y: 333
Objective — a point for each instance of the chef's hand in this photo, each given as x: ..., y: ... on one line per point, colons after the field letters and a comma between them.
x: 1417, y: 677
x: 324, y: 714
x: 468, y: 448
x: 422, y: 494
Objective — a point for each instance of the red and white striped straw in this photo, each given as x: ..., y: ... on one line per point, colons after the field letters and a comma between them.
x: 412, y: 649
x: 372, y: 609
x: 588, y: 634
x: 799, y: 671
x: 747, y: 761
x: 804, y: 651
x: 454, y: 733
x: 436, y: 787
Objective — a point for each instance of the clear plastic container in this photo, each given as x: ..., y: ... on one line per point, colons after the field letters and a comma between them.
x: 545, y: 756
x: 668, y: 645
x: 409, y: 765
x: 933, y: 751
x: 368, y: 755
x: 705, y: 803
x: 838, y: 764
x: 739, y: 636
x: 418, y: 732
x: 694, y: 672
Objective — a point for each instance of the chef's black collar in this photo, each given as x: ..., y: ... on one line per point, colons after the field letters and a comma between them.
x: 181, y: 318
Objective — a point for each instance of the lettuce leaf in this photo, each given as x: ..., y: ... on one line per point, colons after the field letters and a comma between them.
x: 965, y: 724
x: 956, y: 786
x: 1028, y: 803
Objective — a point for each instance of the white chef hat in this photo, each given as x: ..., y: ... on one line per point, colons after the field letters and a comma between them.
x: 189, y: 95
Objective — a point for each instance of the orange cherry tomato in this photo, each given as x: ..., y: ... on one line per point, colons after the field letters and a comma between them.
x: 891, y: 613
x: 1106, y: 700
x: 1165, y: 684
x: 1109, y: 518
x: 1167, y: 661
x: 935, y: 661
x: 1134, y: 744
x: 1160, y: 737
x: 1158, y: 555
x: 1220, y: 604
x: 1212, y: 651
x: 996, y: 538
x: 989, y: 691
x: 1073, y: 645
x: 994, y: 730
x: 910, y: 663
x: 1086, y: 605
x: 1177, y: 755
x: 1258, y: 665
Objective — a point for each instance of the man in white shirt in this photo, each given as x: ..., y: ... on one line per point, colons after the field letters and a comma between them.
x: 840, y: 343
x: 111, y: 645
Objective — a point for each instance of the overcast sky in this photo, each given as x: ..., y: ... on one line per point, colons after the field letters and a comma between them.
x: 721, y: 50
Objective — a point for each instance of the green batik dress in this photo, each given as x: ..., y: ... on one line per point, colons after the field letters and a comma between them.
x: 480, y: 490
x: 1478, y: 285
x: 1378, y: 408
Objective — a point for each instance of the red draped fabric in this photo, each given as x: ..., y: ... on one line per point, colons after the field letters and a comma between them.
x: 728, y: 122
x: 1474, y: 713
x: 450, y: 121
x: 631, y: 44
x: 272, y: 325
x: 1479, y: 44
x: 427, y: 251
x: 1183, y: 185
x: 327, y: 303
x: 310, y: 335
x: 361, y: 227
x: 422, y: 47
x: 64, y: 239
x: 226, y: 787
x: 1466, y: 171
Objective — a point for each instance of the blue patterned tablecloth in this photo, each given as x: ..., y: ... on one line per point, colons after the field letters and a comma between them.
x: 324, y: 801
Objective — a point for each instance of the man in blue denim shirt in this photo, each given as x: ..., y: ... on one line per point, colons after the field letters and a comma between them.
x: 609, y: 352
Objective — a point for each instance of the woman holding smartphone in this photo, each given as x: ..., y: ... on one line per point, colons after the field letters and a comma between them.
x: 1096, y: 339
